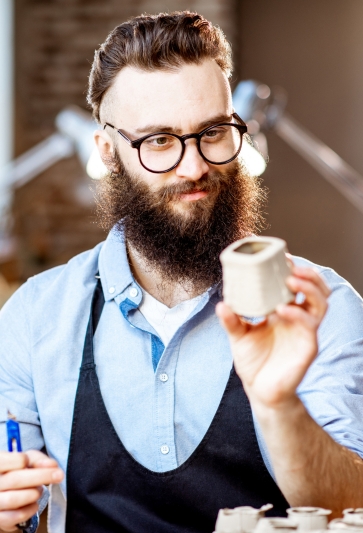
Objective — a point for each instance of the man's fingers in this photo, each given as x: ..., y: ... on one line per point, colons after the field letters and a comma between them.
x: 29, y: 478
x: 231, y: 322
x: 315, y: 300
x: 313, y: 276
x: 30, y: 459
x: 15, y: 499
x: 295, y: 313
x: 38, y: 459
x: 9, y: 519
x: 13, y: 461
x: 21, y: 478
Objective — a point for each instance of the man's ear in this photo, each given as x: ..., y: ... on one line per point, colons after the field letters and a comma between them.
x: 106, y: 148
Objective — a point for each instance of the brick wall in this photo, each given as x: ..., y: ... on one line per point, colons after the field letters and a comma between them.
x: 55, y: 41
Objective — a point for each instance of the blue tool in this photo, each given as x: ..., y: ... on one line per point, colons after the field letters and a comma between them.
x: 12, y: 427
x: 14, y: 445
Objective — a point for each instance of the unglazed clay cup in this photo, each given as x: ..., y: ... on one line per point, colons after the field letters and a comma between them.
x: 353, y: 517
x: 309, y: 518
x: 240, y: 519
x: 254, y: 275
x: 340, y: 523
x: 276, y: 525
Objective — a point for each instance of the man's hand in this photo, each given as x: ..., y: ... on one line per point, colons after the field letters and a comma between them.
x: 272, y: 358
x: 22, y: 476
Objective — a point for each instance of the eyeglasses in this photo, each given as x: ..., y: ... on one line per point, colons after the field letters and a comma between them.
x: 162, y: 152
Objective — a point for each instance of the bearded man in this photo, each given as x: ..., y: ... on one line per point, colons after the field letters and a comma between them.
x: 116, y: 364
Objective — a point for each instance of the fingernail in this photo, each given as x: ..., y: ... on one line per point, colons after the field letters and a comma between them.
x: 57, y: 475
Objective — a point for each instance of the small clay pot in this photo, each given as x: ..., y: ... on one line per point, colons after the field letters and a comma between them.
x: 309, y: 518
x: 254, y: 274
x: 276, y: 525
x: 353, y: 516
x: 240, y: 519
x: 340, y: 523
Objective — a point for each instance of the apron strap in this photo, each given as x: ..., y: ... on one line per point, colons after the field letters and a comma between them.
x: 98, y: 301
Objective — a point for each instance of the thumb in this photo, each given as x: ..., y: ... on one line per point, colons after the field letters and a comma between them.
x: 231, y: 322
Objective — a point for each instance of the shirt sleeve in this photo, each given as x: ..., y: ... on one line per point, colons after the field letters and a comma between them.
x: 16, y: 384
x: 34, y: 523
x: 332, y: 389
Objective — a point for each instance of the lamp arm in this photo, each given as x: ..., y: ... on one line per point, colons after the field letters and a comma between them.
x: 25, y: 167
x: 36, y: 160
x: 327, y: 162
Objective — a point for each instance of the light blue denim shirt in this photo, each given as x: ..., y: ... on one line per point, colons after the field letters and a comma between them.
x: 42, y: 330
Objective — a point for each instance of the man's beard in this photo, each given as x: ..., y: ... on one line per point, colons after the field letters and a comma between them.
x: 183, y: 247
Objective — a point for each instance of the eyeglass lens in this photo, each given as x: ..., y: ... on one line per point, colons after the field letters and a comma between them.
x: 162, y: 151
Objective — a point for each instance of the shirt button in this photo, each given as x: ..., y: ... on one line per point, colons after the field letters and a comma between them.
x: 111, y: 290
x: 164, y: 449
x: 133, y: 292
x: 163, y: 377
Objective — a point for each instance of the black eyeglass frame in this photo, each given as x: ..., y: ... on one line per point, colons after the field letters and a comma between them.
x: 242, y: 128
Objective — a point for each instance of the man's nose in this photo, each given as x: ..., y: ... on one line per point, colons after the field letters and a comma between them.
x: 192, y: 166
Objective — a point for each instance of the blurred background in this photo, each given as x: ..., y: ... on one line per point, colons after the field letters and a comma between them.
x: 311, y: 48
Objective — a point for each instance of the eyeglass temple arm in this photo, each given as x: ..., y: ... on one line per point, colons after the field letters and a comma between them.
x: 120, y: 132
x: 238, y: 118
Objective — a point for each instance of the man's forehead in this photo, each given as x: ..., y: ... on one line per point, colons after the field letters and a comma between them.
x: 191, y: 93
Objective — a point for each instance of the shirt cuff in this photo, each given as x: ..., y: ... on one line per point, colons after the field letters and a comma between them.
x: 34, y: 522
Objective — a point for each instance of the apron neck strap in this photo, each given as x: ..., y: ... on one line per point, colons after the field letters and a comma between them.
x: 98, y: 301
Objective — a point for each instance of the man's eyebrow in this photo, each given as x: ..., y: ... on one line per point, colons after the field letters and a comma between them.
x: 214, y: 120
x: 154, y: 128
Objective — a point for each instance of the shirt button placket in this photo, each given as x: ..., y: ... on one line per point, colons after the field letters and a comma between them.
x: 164, y: 388
x: 163, y: 377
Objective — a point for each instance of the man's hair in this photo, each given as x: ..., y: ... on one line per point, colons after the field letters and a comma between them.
x: 148, y: 42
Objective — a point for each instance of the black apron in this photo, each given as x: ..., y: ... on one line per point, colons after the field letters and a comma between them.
x: 108, y: 491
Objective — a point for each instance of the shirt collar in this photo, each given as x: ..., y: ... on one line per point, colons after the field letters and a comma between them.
x: 115, y: 270
x: 114, y: 266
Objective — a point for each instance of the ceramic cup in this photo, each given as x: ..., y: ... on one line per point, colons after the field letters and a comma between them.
x: 309, y: 518
x: 353, y: 516
x: 340, y: 523
x: 276, y: 525
x: 254, y: 274
x: 240, y: 520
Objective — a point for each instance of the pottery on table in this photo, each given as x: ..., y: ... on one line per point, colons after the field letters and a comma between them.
x: 309, y: 518
x: 276, y: 525
x: 353, y: 516
x: 240, y: 519
x: 340, y: 523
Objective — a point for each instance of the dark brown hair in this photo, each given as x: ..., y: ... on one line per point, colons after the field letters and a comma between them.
x: 149, y: 42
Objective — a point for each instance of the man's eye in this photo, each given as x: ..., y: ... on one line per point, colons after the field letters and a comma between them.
x: 158, y: 141
x: 214, y: 134
x: 161, y: 140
